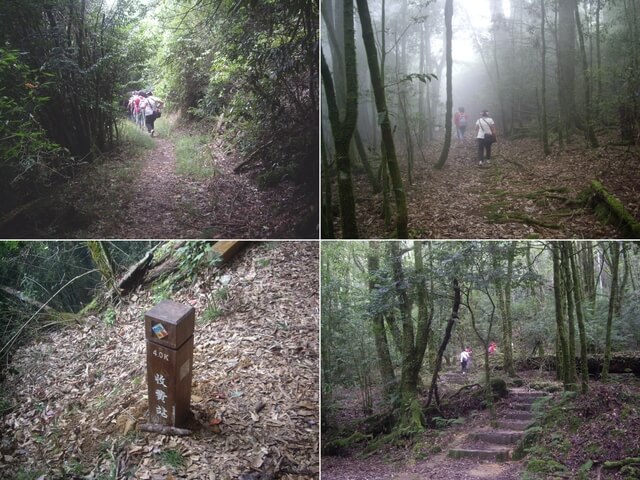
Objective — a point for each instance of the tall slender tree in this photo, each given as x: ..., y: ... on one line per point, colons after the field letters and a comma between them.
x: 342, y: 130
x: 448, y: 15
x: 613, y: 259
x: 383, y: 119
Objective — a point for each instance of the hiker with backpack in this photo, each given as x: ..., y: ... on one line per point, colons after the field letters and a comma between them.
x: 152, y: 107
x: 460, y: 119
x: 465, y: 360
x: 485, y: 136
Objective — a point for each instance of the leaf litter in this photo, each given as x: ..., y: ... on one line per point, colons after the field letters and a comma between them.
x: 520, y: 194
x: 79, y: 393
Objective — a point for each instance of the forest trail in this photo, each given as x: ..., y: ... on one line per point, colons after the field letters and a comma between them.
x: 160, y: 199
x: 475, y: 454
x: 146, y: 195
x: 520, y: 194
x: 77, y: 394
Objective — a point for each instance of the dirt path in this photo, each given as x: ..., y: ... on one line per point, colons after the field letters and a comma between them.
x: 428, y: 455
x: 164, y: 205
x: 521, y: 194
x: 154, y: 201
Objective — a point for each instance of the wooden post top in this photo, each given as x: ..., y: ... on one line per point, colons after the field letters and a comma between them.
x: 169, y: 323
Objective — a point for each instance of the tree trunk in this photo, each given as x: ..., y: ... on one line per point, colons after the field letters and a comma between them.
x: 566, y: 34
x: 104, y: 263
x: 506, y: 326
x: 433, y: 390
x: 377, y: 322
x: 577, y: 293
x: 385, y: 125
x: 562, y: 348
x: 343, y: 129
x: 327, y: 200
x: 411, y: 417
x: 614, y: 260
x: 590, y: 134
x: 543, y: 122
x: 568, y: 288
x: 448, y: 14
x: 425, y: 314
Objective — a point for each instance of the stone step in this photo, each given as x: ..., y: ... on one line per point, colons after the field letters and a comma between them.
x: 517, y: 415
x: 499, y: 437
x: 519, y: 425
x: 526, y: 393
x: 520, y: 406
x: 494, y: 454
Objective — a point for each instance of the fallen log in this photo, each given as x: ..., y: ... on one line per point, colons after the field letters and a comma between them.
x: 136, y: 273
x: 164, y: 429
x: 621, y: 463
x: 610, y: 210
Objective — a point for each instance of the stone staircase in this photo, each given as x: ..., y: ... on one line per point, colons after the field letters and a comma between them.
x: 497, y: 444
x: 454, y: 378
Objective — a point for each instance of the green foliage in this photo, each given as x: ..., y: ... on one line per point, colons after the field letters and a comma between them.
x: 162, y: 291
x: 446, y: 422
x: 211, y: 313
x: 254, y: 71
x: 194, y: 157
x: 134, y: 138
x: 110, y: 317
x: 545, y: 466
x: 26, y: 155
x: 194, y: 254
x: 27, y: 474
x: 172, y: 458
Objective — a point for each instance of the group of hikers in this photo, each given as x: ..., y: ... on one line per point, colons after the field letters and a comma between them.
x: 465, y: 357
x: 144, y: 108
x: 485, y: 132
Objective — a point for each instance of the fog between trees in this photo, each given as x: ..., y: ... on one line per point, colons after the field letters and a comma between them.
x: 557, y: 71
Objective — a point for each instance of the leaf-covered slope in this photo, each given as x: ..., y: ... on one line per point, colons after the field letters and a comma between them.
x: 79, y: 393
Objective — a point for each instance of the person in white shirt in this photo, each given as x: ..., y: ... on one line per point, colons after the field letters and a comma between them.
x: 485, y: 126
x: 152, y: 107
x: 464, y: 360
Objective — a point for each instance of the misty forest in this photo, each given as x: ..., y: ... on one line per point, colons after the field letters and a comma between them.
x: 559, y: 82
x: 505, y: 360
x: 233, y: 88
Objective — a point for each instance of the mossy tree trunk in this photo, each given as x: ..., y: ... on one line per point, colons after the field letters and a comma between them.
x: 577, y: 294
x: 561, y: 341
x: 448, y: 15
x: 377, y: 321
x: 589, y: 131
x: 383, y: 118
x: 505, y: 304
x: 433, y: 390
x: 613, y: 259
x: 410, y: 418
x: 342, y: 130
x: 104, y: 263
x: 327, y: 201
x: 339, y: 77
x: 568, y: 290
x: 408, y: 388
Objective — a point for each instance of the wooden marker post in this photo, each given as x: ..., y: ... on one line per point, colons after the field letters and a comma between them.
x: 169, y: 333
